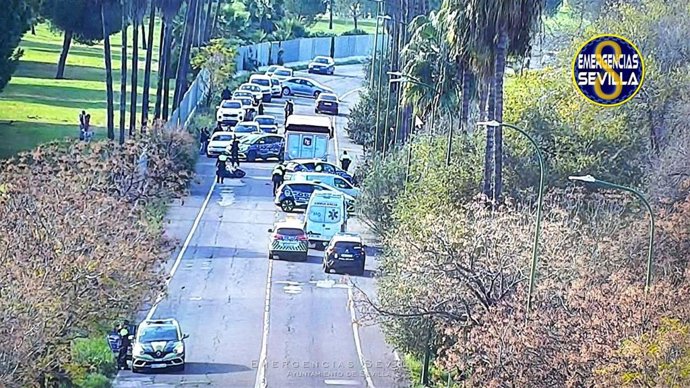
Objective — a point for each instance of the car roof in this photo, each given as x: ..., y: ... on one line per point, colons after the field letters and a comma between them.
x: 259, y: 76
x: 323, y: 56
x: 219, y: 133
x: 251, y: 123
x: 346, y: 237
x: 160, y: 322
x: 302, y: 161
x: 301, y: 174
x: 265, y: 117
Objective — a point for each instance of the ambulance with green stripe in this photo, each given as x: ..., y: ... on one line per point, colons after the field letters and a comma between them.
x: 288, y: 241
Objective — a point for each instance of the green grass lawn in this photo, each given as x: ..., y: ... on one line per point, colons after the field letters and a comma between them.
x: 36, y: 108
x: 342, y: 25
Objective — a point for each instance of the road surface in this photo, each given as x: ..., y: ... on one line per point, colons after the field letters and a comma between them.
x: 254, y: 322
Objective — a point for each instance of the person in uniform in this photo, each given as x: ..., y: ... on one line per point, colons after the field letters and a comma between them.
x: 345, y: 161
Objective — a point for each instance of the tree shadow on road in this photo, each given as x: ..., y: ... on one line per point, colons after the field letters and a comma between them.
x: 211, y: 368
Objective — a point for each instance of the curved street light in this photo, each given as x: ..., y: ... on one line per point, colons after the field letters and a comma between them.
x: 537, y: 231
x: 588, y: 179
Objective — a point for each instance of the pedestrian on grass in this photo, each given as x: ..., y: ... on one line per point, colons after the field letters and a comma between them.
x: 88, y: 134
x: 345, y: 161
x: 82, y: 116
x: 221, y: 168
x: 278, y: 177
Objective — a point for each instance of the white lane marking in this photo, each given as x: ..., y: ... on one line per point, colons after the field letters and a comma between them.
x: 195, y: 298
x: 261, y: 373
x: 227, y: 197
x: 358, y: 344
x: 292, y: 289
x: 178, y: 259
x: 341, y: 382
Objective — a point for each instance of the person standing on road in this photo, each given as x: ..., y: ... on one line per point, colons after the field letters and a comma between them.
x: 235, y: 152
x: 277, y: 177
x: 261, y: 108
x: 226, y: 94
x: 345, y: 161
x: 203, y: 139
x: 221, y: 165
x: 124, y: 346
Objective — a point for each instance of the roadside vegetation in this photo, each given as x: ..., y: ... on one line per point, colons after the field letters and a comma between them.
x: 456, y: 264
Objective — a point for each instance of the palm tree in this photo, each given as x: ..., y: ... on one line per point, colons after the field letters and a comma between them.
x: 169, y: 8
x: 183, y: 65
x: 123, y: 68
x: 147, y: 68
x: 138, y: 11
x: 214, y: 23
x: 107, y: 56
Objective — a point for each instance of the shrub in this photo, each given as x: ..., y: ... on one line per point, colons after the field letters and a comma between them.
x: 95, y: 380
x: 355, y: 32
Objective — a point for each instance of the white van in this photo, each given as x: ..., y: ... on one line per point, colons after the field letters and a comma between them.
x: 325, y: 217
x: 332, y: 180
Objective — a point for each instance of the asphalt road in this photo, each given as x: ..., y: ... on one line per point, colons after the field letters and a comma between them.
x: 254, y: 322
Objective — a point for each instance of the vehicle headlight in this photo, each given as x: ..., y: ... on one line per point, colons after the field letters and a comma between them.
x: 179, y: 348
x: 137, y: 349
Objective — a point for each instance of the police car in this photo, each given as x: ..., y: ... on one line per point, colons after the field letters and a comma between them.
x: 254, y: 147
x: 288, y: 240
x: 159, y: 344
x: 345, y: 254
x: 295, y: 195
x: 317, y: 165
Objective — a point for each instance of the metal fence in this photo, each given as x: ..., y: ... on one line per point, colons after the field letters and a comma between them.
x: 302, y: 50
x: 264, y: 54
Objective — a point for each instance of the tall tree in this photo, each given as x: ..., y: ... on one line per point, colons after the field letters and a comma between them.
x: 214, y: 23
x: 109, y: 8
x: 147, y: 69
x: 185, y: 48
x: 138, y: 11
x: 76, y: 19
x: 169, y: 8
x: 206, y: 21
x: 126, y: 9
x: 306, y: 10
x: 15, y: 21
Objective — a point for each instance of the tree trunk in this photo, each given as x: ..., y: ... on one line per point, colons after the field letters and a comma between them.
x: 466, y: 96
x: 501, y: 54
x: 489, y: 149
x: 66, y: 44
x: 147, y: 69
x: 123, y: 77
x: 195, y: 24
x: 205, y: 24
x: 161, y: 72
x: 354, y: 17
x: 330, y: 15
x: 143, y: 35
x: 33, y: 28
x: 166, y: 70
x: 135, y: 78
x: 110, y: 119
x: 215, y: 18
x: 181, y: 77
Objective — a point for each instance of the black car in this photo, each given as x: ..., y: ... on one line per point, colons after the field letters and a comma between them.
x: 345, y: 254
x: 159, y: 344
x: 254, y: 147
x: 327, y: 103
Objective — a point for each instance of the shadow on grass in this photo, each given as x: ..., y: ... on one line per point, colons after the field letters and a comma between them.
x: 81, y: 51
x: 43, y: 70
x: 24, y: 135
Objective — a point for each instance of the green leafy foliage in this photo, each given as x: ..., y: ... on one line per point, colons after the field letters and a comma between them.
x: 307, y: 9
x: 15, y: 22
x: 90, y: 357
x: 218, y: 58
x: 82, y: 17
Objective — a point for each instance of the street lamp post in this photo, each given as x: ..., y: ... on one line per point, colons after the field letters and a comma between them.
x: 537, y: 232
x: 376, y: 45
x: 378, y: 92
x: 650, y: 251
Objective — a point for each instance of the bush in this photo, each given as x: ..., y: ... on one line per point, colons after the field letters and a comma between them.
x: 73, y: 231
x: 96, y: 380
x: 354, y: 32
x: 89, y: 356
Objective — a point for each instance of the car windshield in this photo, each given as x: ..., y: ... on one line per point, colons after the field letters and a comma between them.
x: 248, y: 87
x: 274, y: 81
x: 246, y: 101
x: 232, y: 105
x: 244, y: 128
x: 321, y: 60
x: 262, y: 82
x: 158, y: 333
x: 271, y: 69
x: 290, y: 232
x: 265, y: 120
x: 284, y: 73
x: 344, y: 246
x: 222, y: 138
x: 328, y: 97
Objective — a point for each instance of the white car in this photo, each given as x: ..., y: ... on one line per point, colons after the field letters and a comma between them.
x: 246, y: 128
x: 332, y: 180
x: 254, y: 89
x: 276, y: 87
x: 218, y: 143
x: 271, y: 69
x: 264, y: 83
x: 283, y: 73
x: 230, y: 112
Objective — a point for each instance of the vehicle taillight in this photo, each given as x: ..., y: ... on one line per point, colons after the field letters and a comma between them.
x: 279, y: 237
x: 302, y: 238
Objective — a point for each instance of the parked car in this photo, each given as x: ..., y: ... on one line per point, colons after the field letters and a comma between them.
x: 322, y: 65
x: 288, y: 240
x: 159, y: 344
x: 304, y: 87
x: 230, y: 112
x: 267, y: 123
x: 263, y: 146
x: 295, y: 195
x: 316, y: 164
x: 249, y: 108
x: 283, y: 73
x: 255, y: 90
x: 327, y: 103
x: 264, y: 83
x: 345, y: 254
x: 245, y: 128
x: 331, y: 180
x: 218, y: 142
x: 238, y: 94
x: 276, y: 88
x: 271, y: 69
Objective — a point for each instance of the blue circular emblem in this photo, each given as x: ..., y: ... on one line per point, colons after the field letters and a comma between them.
x: 608, y: 70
